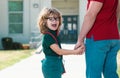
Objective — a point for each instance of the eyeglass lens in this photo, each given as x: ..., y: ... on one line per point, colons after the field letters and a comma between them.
x: 53, y: 18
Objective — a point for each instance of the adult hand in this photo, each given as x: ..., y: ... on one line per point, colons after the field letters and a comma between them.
x: 80, y: 44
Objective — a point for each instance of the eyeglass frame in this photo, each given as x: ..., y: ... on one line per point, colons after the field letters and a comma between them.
x: 53, y: 18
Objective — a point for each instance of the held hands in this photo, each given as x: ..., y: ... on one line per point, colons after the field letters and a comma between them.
x: 80, y: 48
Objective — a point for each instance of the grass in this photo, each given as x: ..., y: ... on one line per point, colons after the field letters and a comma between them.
x: 10, y: 57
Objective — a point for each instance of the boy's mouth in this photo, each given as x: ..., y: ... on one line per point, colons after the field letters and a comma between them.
x: 54, y: 25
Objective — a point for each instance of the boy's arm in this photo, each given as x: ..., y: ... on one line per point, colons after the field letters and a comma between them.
x: 60, y: 51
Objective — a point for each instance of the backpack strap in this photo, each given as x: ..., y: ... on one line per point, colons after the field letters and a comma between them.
x: 52, y: 36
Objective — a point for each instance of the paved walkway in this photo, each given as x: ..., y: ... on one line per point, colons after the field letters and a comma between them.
x: 31, y: 67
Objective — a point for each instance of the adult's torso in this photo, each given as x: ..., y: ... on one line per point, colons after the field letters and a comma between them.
x: 105, y: 25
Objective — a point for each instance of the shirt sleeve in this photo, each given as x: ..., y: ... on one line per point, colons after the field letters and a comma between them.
x: 49, y: 40
x: 99, y: 0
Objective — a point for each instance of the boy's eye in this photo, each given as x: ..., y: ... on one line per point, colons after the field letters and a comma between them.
x: 53, y: 18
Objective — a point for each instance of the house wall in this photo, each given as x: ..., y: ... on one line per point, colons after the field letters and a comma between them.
x: 67, y: 7
x: 34, y: 11
x: 3, y: 19
x: 82, y: 10
x: 30, y: 14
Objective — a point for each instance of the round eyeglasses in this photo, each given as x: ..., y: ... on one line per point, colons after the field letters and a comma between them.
x: 53, y: 18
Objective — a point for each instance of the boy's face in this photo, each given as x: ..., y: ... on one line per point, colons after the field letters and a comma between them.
x: 53, y: 22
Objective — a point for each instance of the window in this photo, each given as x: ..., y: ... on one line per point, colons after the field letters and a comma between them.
x: 15, y: 11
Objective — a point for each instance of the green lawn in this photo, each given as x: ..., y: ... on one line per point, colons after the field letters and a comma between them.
x: 10, y: 57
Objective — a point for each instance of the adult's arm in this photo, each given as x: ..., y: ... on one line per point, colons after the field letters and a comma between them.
x: 89, y: 19
x: 118, y: 11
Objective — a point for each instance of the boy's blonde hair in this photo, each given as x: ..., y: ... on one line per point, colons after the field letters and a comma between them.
x: 44, y: 14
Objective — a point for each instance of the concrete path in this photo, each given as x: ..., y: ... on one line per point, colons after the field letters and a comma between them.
x: 31, y: 67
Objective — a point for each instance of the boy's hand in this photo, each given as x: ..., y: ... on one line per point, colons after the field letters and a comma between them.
x: 81, y: 49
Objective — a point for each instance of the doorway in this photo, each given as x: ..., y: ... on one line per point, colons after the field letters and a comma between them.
x: 69, y: 32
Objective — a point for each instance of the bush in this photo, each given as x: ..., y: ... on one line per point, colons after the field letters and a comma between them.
x: 7, y: 43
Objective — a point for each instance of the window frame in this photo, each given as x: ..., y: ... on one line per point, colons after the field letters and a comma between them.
x: 16, y: 12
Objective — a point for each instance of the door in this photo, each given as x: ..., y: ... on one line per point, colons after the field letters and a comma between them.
x: 68, y: 33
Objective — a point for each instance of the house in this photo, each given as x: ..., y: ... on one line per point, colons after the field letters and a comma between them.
x: 18, y: 18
